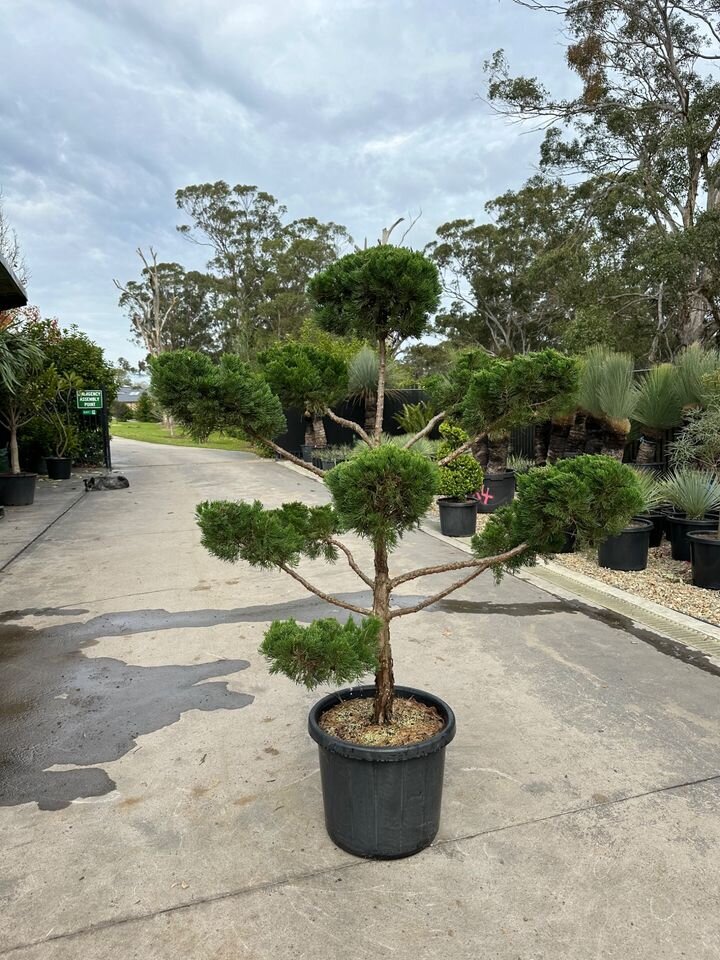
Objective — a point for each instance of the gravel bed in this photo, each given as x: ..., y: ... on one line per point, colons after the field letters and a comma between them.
x: 665, y: 581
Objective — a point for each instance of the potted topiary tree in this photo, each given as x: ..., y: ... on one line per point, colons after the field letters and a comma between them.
x: 58, y: 414
x: 381, y: 746
x: 23, y: 391
x: 458, y: 481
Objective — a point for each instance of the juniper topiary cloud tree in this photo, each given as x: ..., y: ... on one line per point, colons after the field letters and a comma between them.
x: 378, y: 495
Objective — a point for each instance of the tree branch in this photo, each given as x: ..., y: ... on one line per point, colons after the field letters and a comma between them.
x: 285, y: 454
x: 482, y: 567
x: 463, y: 449
x: 324, y: 596
x: 351, y: 560
x: 350, y: 424
x: 427, y: 428
x: 427, y: 571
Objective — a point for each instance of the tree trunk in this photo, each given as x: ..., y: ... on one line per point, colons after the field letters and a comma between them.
x: 318, y: 427
x: 692, y: 318
x: 382, y: 354
x: 384, y: 678
x: 594, y: 436
x: 498, y: 454
x: 558, y: 438
x: 480, y: 451
x: 309, y: 432
x: 576, y: 437
x: 541, y: 436
x: 14, y: 452
x: 647, y: 450
x: 370, y: 414
x: 614, y: 444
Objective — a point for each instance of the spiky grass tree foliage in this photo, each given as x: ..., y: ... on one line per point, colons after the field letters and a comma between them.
x: 385, y: 293
x: 608, y: 392
x: 694, y: 492
x: 306, y: 377
x: 522, y: 391
x: 658, y: 408
x: 363, y: 376
x: 650, y: 487
x: 694, y: 366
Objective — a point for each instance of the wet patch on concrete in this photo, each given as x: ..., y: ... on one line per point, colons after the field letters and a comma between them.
x: 61, y: 708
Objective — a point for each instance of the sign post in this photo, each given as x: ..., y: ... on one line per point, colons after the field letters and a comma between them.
x: 91, y: 403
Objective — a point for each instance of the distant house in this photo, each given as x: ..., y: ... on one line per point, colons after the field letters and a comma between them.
x: 130, y: 395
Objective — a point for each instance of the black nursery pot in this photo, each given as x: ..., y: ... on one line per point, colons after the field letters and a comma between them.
x: 381, y: 802
x: 458, y: 518
x: 629, y: 549
x: 58, y: 468
x: 678, y: 528
x: 307, y: 452
x: 17, y: 489
x: 657, y: 519
x: 705, y: 557
x: 498, y: 490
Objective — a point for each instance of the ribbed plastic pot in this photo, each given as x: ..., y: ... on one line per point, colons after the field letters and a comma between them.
x: 58, y: 468
x: 458, y: 518
x: 705, y: 558
x: 327, y: 463
x: 629, y: 549
x: 382, y: 803
x: 17, y: 489
x: 657, y: 519
x: 678, y: 527
x: 307, y: 452
x: 498, y: 490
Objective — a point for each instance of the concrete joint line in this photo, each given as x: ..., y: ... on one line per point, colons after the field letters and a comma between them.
x: 42, y: 533
x: 354, y: 865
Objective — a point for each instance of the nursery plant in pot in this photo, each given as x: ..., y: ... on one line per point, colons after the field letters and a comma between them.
x: 381, y: 746
x: 459, y: 480
x: 695, y: 494
x: 653, y: 497
x: 658, y: 408
x: 58, y: 414
x: 23, y: 391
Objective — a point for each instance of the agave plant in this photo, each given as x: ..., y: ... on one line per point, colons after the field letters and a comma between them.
x: 363, y: 382
x: 658, y: 408
x: 694, y: 492
x: 608, y: 392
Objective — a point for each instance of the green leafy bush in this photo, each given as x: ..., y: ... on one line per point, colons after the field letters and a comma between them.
x: 460, y: 478
x: 121, y: 411
x: 594, y: 495
x: 383, y: 492
x: 324, y: 652
x: 145, y: 409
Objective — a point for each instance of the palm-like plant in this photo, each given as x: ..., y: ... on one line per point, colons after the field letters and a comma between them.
x: 694, y: 492
x: 608, y: 392
x: 658, y: 408
x: 363, y: 372
x: 694, y: 365
x: 650, y: 488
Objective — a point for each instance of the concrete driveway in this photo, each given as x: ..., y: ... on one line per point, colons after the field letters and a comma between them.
x: 159, y: 796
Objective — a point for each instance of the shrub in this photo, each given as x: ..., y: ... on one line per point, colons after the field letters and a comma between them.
x: 145, y: 409
x: 121, y: 411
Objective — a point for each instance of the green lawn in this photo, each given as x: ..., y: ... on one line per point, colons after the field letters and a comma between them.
x: 157, y: 433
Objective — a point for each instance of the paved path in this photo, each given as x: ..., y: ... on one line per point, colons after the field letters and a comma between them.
x: 159, y: 796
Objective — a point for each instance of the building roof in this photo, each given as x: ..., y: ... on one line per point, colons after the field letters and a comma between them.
x: 130, y: 394
x: 12, y: 292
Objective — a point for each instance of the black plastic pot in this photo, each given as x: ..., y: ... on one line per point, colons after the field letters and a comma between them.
x: 629, y: 549
x: 657, y: 519
x: 17, y: 489
x: 381, y: 802
x: 328, y: 464
x: 458, y: 518
x: 58, y: 468
x: 678, y: 527
x: 498, y: 490
x: 570, y: 542
x: 705, y: 558
x: 307, y: 452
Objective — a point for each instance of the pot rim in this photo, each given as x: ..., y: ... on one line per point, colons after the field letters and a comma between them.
x: 646, y: 525
x: 452, y: 502
x: 355, y: 751
x: 24, y: 474
x: 701, y: 536
x: 502, y: 475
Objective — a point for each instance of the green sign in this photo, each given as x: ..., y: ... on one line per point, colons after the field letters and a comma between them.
x: 89, y: 399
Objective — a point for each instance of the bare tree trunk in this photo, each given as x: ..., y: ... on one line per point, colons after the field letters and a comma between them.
x: 541, y: 436
x: 480, y: 451
x: 575, y: 443
x: 318, y: 427
x: 498, y: 454
x: 382, y: 370
x: 14, y: 452
x: 558, y: 438
x: 309, y: 432
x: 384, y: 677
x: 614, y: 444
x: 594, y: 436
x: 647, y: 450
x: 370, y: 413
x: 692, y: 319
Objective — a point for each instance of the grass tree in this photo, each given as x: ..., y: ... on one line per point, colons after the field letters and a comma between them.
x: 608, y: 392
x: 657, y: 409
x: 312, y: 378
x: 363, y: 376
x: 380, y: 493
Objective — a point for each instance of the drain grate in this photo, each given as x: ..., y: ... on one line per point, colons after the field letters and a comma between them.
x: 671, y: 628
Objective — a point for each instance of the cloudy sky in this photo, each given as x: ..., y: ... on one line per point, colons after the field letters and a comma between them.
x: 352, y: 110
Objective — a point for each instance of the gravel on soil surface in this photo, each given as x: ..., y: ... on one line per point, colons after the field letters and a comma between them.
x: 665, y: 581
